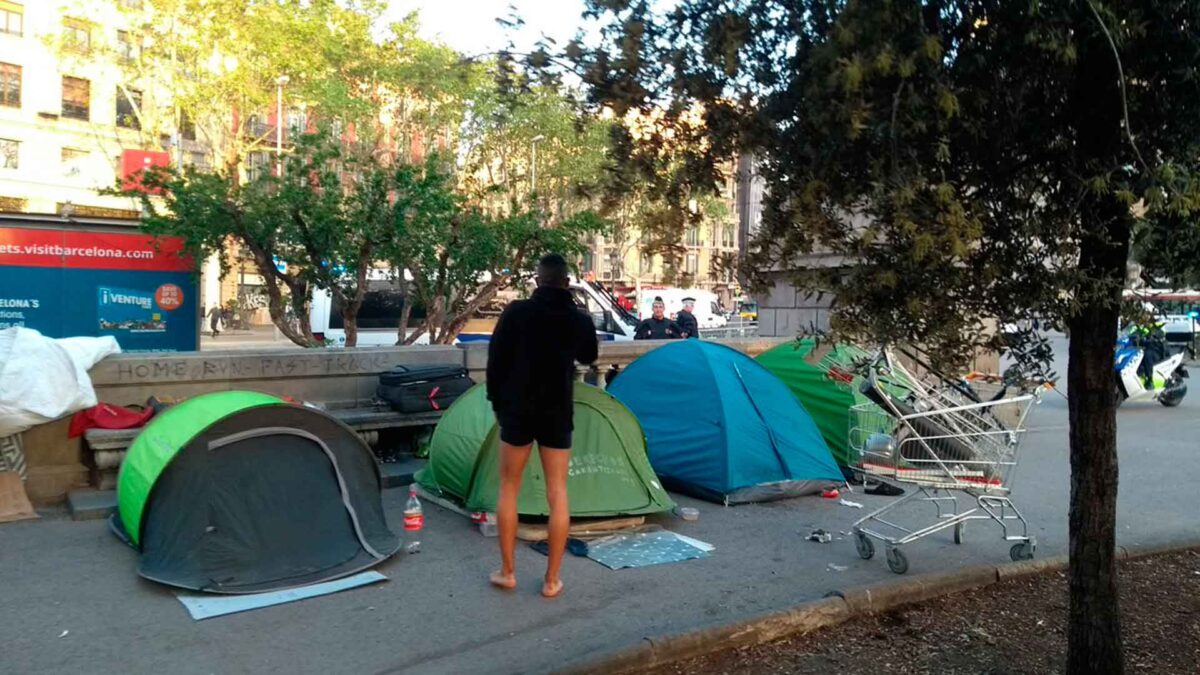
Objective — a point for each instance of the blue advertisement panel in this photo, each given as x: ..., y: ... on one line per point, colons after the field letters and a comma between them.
x: 66, y: 283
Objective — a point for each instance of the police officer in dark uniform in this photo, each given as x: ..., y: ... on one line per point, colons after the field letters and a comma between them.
x: 658, y: 327
x: 687, y: 321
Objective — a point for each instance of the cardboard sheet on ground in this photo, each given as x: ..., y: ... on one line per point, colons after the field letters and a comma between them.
x: 207, y: 606
x: 645, y: 548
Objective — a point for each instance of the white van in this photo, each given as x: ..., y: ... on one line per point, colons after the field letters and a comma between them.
x: 380, y: 314
x: 708, y: 309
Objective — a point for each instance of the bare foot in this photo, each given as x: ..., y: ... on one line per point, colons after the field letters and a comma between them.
x: 551, y: 589
x: 502, y: 580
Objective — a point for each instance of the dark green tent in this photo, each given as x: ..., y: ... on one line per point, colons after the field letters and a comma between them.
x: 241, y: 492
x: 610, y: 474
x: 827, y: 399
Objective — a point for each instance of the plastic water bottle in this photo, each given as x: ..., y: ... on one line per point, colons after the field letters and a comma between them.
x: 414, y: 520
x: 487, y: 525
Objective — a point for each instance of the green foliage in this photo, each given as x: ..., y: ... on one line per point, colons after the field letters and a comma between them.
x: 967, y: 156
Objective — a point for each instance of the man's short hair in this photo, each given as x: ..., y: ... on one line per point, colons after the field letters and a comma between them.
x: 658, y: 298
x: 552, y: 271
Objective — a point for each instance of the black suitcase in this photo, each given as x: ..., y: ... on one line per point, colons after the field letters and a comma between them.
x: 417, y: 390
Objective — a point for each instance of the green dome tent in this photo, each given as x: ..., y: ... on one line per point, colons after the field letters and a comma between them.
x: 241, y: 492
x: 827, y: 400
x: 609, y: 473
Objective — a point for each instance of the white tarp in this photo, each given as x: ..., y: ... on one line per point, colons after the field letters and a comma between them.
x: 42, y: 379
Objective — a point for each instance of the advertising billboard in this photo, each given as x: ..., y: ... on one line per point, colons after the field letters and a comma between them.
x: 78, y: 282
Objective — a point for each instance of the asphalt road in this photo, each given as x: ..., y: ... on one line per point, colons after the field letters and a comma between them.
x: 437, y: 615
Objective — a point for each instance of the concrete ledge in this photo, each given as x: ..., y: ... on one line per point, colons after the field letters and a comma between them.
x: 838, y: 607
x: 91, y: 504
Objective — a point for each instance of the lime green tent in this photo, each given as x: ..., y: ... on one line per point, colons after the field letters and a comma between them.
x: 609, y: 474
x: 826, y: 399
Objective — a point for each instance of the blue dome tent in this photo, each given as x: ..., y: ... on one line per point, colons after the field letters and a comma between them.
x: 721, y: 427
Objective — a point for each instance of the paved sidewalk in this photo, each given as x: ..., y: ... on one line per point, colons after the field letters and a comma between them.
x: 437, y: 614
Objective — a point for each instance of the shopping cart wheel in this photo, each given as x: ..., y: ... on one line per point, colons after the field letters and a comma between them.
x: 1022, y: 551
x: 866, y: 547
x: 897, y: 561
x: 960, y: 533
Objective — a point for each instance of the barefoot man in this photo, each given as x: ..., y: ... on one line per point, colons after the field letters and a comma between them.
x: 530, y: 377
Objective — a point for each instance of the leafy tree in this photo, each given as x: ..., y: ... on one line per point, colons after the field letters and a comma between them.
x: 460, y: 256
x: 207, y: 210
x: 971, y: 159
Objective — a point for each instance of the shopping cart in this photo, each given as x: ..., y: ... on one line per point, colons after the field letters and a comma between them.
x: 941, y: 437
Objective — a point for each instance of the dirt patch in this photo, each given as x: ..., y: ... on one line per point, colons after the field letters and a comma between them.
x: 1007, y: 628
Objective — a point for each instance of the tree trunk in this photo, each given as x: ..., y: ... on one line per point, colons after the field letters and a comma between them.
x: 1094, y: 634
x: 402, y: 328
x: 350, y: 323
x: 1094, y: 629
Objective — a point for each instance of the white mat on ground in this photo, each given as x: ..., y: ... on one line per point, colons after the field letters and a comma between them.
x: 646, y: 548
x: 206, y: 606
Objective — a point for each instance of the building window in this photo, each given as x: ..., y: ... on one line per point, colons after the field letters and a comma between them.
x: 257, y: 165
x: 187, y: 128
x: 129, y: 105
x: 77, y: 35
x: 646, y: 264
x: 589, y: 263
x: 12, y: 18
x: 255, y: 126
x: 74, y: 161
x: 693, y: 236
x: 296, y: 122
x: 692, y: 264
x: 197, y: 160
x: 10, y: 153
x: 76, y: 98
x: 10, y: 85
x: 728, y: 239
x: 126, y: 49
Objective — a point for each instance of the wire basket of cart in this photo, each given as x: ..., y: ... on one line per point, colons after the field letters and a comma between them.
x: 950, y: 445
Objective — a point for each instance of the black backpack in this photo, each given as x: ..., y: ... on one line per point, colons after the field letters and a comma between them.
x: 417, y: 390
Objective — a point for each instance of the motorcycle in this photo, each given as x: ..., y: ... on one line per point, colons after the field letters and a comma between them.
x: 1166, y: 381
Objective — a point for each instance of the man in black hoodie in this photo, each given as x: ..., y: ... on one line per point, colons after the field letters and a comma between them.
x: 530, y: 382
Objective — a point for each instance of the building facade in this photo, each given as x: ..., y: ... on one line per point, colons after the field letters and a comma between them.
x: 710, y: 255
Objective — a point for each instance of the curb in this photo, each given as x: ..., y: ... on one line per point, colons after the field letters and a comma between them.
x: 837, y: 607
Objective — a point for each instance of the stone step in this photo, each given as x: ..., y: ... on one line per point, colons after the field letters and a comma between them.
x: 91, y: 504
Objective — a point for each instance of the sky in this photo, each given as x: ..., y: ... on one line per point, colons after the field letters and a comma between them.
x: 469, y: 26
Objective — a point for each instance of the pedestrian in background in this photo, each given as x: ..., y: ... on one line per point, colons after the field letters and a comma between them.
x: 687, y: 320
x: 658, y: 326
x: 214, y: 320
x: 531, y: 382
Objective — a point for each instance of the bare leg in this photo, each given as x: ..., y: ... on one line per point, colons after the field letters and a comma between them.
x: 554, y: 466
x: 512, y: 466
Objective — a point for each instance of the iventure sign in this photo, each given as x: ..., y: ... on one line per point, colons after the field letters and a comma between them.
x: 78, y: 282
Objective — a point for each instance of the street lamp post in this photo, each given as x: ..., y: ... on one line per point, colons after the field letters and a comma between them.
x: 533, y: 161
x: 279, y: 83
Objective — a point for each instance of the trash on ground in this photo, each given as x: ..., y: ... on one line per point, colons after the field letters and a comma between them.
x: 64, y: 634
x: 837, y: 568
x: 688, y: 513
x: 830, y: 494
x: 208, y: 606
x: 643, y: 549
x: 885, y: 490
x: 820, y: 536
x: 853, y: 505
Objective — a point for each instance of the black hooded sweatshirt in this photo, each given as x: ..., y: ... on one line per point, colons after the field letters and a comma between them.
x: 532, y: 355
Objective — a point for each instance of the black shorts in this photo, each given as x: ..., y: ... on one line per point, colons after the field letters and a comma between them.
x: 549, y: 431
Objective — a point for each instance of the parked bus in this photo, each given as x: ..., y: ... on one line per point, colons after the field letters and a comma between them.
x: 1179, y: 310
